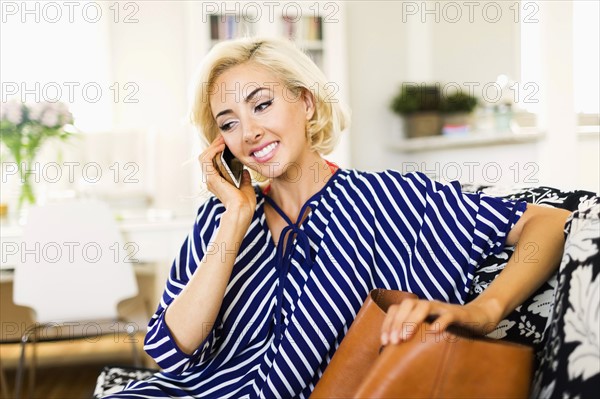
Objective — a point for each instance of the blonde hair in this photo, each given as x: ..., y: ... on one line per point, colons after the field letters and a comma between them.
x: 294, y: 68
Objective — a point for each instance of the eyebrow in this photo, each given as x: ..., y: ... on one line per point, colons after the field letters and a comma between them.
x: 246, y: 100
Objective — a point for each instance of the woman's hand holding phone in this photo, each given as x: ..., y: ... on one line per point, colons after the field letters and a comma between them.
x: 234, y: 199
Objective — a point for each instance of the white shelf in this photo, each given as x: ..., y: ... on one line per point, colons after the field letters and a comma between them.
x: 310, y: 45
x: 474, y: 139
x: 588, y: 132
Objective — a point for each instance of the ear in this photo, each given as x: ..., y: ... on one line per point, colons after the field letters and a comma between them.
x: 309, y: 103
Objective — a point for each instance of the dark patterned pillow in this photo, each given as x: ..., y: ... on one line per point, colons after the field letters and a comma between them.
x: 570, y: 359
x: 113, y: 379
x: 529, y: 321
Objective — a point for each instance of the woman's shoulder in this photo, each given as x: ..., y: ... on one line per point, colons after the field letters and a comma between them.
x: 385, y: 178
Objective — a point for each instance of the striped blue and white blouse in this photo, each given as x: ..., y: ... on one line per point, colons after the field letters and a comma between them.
x: 285, y: 313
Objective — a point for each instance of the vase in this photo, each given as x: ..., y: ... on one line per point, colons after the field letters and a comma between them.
x: 26, y: 192
x: 13, y: 196
x: 423, y: 124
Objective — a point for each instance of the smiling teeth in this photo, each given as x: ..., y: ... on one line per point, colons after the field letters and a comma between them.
x: 265, y: 150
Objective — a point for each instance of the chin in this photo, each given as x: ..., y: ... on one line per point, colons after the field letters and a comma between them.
x: 265, y: 171
x: 271, y: 169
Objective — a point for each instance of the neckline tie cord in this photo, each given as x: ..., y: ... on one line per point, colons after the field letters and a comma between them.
x: 285, y: 247
x: 284, y: 256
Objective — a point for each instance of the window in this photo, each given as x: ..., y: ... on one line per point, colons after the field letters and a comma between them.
x: 585, y: 53
x: 586, y: 42
x: 51, y: 53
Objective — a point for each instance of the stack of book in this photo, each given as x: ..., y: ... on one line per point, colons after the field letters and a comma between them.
x: 229, y: 26
x: 304, y: 29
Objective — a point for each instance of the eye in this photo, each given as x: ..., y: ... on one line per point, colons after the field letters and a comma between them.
x: 263, y: 106
x: 226, y: 126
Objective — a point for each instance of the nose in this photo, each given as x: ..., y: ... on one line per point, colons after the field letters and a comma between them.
x: 253, y: 132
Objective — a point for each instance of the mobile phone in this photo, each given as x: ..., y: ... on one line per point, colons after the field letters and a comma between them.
x: 230, y: 167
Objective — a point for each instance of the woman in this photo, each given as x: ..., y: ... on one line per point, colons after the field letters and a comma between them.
x: 269, y: 281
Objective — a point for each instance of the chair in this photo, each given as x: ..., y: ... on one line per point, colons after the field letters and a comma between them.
x: 73, y: 273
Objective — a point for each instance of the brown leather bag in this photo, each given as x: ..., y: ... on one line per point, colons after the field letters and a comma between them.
x: 453, y: 363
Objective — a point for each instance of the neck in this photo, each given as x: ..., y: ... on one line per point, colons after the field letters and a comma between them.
x: 302, y: 180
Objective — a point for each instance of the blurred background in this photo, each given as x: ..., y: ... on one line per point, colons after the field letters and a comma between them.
x: 484, y: 92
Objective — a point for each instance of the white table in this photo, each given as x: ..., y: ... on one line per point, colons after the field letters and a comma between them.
x: 156, y: 239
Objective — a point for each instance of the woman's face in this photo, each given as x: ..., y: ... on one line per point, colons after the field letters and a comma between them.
x: 262, y: 122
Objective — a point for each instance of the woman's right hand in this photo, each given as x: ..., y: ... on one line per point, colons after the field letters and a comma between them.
x: 242, y: 200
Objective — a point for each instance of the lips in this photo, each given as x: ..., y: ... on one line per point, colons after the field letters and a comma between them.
x: 266, y: 152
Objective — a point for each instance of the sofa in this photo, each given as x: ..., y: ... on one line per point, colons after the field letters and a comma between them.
x: 561, y: 320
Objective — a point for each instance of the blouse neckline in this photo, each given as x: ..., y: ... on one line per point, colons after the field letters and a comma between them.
x: 284, y: 249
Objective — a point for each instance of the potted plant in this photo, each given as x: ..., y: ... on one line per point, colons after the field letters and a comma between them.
x: 24, y: 129
x: 419, y: 107
x: 457, y: 110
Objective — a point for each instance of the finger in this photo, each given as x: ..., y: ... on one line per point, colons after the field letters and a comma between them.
x: 211, y: 151
x: 443, y: 321
x: 409, y: 324
x: 246, y: 178
x: 395, y: 312
x: 387, y: 324
x: 217, y: 142
x: 246, y: 185
x: 386, y: 327
x: 207, y: 165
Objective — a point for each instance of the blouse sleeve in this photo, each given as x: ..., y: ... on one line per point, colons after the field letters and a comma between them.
x: 159, y: 342
x: 451, y: 233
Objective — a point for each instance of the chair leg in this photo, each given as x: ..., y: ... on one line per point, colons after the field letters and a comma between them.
x: 134, y: 349
x: 19, y: 376
x: 32, y: 331
x: 4, y: 383
x: 32, y: 367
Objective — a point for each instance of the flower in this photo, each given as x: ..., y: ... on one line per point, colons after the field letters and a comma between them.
x: 25, y: 127
x: 52, y: 115
x: 581, y: 323
x: 12, y: 111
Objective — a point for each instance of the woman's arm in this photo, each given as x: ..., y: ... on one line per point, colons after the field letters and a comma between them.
x: 539, y: 242
x: 192, y: 313
x: 195, y: 309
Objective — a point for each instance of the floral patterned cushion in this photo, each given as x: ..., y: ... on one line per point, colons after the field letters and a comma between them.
x: 527, y: 324
x: 570, y: 359
x: 113, y: 379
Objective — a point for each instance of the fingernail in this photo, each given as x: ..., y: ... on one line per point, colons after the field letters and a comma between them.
x: 394, y: 337
x: 384, y: 338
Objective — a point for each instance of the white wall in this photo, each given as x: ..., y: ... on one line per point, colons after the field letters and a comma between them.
x: 153, y: 54
x: 376, y: 63
x: 477, y: 51
x: 383, y: 53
